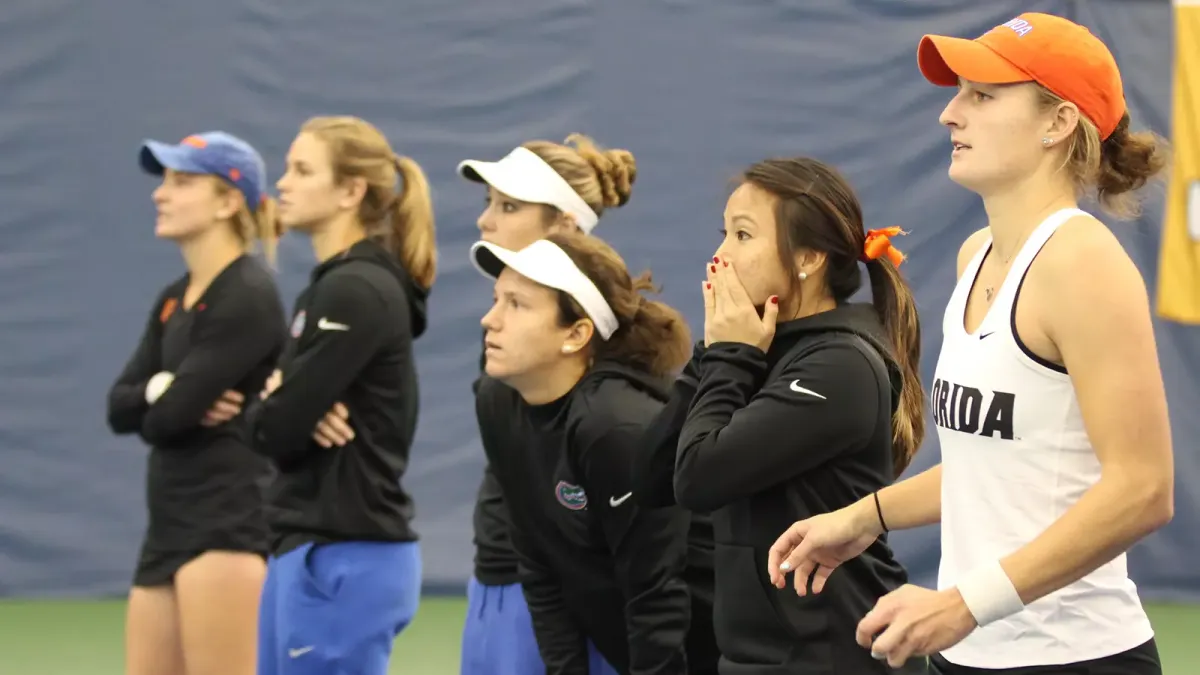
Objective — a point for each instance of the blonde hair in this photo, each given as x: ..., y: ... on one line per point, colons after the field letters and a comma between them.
x: 254, y: 226
x: 1114, y: 168
x: 602, y: 178
x: 401, y: 218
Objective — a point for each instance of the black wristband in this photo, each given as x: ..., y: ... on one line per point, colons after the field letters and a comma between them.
x: 879, y: 510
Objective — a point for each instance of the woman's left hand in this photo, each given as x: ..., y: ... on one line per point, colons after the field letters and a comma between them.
x: 914, y: 622
x: 224, y: 409
x: 729, y: 314
x: 272, y: 383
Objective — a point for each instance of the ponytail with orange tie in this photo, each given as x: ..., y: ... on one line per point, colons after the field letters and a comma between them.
x: 879, y: 243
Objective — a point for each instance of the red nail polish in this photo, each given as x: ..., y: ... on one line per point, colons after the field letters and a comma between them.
x: 707, y: 285
x: 774, y: 299
x: 727, y: 264
x: 715, y: 259
x: 713, y: 267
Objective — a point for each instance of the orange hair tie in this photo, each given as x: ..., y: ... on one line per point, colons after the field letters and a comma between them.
x: 879, y: 243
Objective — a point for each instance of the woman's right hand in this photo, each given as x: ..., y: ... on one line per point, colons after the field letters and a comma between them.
x: 822, y: 543
x: 334, y: 429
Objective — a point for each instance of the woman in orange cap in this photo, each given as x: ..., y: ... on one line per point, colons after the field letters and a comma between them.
x: 1047, y: 397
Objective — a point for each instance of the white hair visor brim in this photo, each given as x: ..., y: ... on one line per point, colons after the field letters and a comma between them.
x: 547, y: 264
x: 525, y: 176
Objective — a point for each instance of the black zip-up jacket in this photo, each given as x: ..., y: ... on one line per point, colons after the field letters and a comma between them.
x: 773, y: 438
x: 594, y: 563
x: 352, y: 342
x: 653, y: 487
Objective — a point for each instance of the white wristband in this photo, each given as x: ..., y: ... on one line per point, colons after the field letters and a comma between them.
x: 157, y: 385
x: 989, y: 594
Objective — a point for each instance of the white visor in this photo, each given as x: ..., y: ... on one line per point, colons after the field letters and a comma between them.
x: 523, y: 175
x: 547, y: 264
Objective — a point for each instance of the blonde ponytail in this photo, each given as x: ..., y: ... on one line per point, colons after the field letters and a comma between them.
x: 401, y: 218
x: 267, y: 228
x: 259, y: 225
x: 413, y: 236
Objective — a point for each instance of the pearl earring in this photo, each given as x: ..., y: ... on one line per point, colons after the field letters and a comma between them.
x: 567, y: 349
x: 803, y: 276
x: 1046, y: 142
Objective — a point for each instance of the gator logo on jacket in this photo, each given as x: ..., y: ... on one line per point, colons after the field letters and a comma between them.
x: 571, y: 496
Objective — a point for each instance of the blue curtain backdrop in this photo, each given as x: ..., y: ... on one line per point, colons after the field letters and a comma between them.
x: 695, y: 88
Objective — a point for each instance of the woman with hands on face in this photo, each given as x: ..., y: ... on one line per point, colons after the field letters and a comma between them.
x: 804, y: 403
x: 729, y: 313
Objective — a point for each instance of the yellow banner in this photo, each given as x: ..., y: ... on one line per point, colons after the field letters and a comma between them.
x: 1179, y: 263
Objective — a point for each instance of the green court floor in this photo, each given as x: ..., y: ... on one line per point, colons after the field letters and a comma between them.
x: 58, y: 637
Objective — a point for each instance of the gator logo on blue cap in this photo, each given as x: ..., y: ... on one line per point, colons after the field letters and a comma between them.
x: 571, y: 496
x: 195, y: 141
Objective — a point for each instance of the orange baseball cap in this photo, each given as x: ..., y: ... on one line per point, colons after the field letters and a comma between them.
x: 1058, y: 54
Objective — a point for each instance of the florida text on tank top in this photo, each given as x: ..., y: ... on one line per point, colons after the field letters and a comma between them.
x: 1015, y: 457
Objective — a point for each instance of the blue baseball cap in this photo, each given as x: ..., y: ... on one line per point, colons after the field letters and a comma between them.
x: 215, y: 153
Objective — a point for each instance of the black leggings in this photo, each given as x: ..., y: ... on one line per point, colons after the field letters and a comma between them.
x: 1141, y: 660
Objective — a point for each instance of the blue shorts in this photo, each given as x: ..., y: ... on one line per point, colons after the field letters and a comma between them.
x: 337, y: 608
x: 498, y: 636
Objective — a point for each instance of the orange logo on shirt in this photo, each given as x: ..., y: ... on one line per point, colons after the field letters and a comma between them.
x: 168, y: 309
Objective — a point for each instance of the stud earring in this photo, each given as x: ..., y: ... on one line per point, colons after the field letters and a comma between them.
x: 567, y: 349
x: 803, y: 276
x: 1046, y: 142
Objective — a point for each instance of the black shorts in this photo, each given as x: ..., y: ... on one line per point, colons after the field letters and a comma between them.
x: 156, y: 566
x: 198, y: 504
x: 1141, y: 660
x: 177, y: 534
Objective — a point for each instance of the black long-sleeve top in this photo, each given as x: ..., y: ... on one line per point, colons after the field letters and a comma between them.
x: 228, y: 339
x: 653, y: 487
x: 594, y: 563
x: 352, y: 342
x: 496, y: 562
x: 772, y: 438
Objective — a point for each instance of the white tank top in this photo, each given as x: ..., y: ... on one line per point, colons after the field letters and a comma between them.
x: 1015, y: 457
